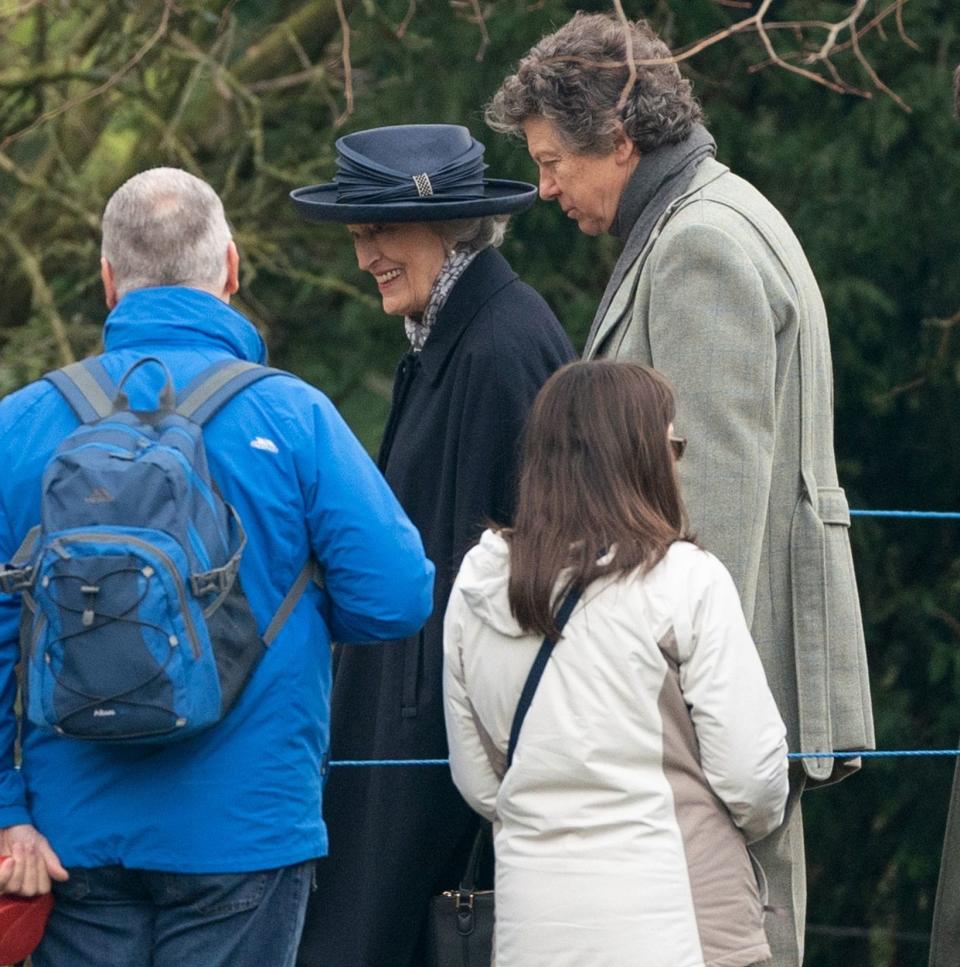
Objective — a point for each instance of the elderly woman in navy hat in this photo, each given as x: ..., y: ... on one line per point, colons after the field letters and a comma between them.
x: 425, y: 224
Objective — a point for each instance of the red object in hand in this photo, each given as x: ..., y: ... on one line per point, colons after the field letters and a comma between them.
x: 22, y: 922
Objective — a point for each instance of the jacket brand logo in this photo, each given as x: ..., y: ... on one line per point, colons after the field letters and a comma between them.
x: 104, y: 713
x: 99, y: 495
x: 264, y: 443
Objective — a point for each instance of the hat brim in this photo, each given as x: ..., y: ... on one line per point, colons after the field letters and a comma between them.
x: 318, y: 203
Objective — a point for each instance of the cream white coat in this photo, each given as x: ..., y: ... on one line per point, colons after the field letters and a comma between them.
x: 652, y: 752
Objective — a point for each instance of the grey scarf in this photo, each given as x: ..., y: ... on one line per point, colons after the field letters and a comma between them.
x: 661, y: 176
x: 453, y: 267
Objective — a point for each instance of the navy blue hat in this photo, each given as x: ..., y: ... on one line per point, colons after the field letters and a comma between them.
x: 410, y: 173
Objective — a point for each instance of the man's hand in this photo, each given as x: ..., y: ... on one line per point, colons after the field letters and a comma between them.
x: 30, y: 862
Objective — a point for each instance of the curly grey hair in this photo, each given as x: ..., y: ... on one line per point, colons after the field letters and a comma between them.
x: 165, y: 227
x: 473, y: 234
x: 575, y: 77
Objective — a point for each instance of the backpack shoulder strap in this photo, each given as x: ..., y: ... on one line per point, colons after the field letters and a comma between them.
x: 86, y: 387
x: 202, y: 398
x: 200, y: 401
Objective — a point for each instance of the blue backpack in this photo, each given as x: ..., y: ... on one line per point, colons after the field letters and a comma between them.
x: 134, y: 625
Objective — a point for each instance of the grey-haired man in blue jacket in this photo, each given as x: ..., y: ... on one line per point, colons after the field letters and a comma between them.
x: 201, y: 851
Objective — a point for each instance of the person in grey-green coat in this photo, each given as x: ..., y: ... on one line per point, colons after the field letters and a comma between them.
x: 712, y: 289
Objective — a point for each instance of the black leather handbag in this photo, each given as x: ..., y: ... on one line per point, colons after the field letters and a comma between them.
x: 460, y: 923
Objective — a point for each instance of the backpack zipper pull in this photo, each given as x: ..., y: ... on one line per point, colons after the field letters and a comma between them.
x: 91, y: 590
x: 60, y: 550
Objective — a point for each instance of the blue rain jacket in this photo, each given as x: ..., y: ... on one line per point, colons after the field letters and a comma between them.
x: 245, y: 795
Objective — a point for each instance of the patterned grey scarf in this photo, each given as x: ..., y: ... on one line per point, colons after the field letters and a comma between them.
x: 454, y: 265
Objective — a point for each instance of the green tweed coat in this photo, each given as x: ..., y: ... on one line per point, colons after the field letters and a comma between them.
x: 723, y: 302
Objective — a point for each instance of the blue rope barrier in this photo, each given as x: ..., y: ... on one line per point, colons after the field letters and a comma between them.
x: 910, y: 514
x: 390, y: 762
x: 853, y: 754
x: 873, y: 754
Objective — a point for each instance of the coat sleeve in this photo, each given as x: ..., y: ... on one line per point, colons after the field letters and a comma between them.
x: 379, y: 584
x: 741, y: 736
x: 470, y: 763
x: 712, y: 334
x: 13, y: 800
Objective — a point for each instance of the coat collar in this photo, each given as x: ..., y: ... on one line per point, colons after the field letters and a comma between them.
x: 659, y: 177
x: 620, y: 305
x: 176, y: 316
x: 486, y: 275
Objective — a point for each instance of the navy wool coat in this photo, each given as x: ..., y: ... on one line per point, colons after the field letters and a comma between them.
x: 398, y: 835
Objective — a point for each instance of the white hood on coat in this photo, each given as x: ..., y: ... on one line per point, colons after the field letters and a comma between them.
x: 483, y: 582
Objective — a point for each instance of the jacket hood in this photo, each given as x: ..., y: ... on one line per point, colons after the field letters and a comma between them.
x: 483, y: 582
x: 175, y: 315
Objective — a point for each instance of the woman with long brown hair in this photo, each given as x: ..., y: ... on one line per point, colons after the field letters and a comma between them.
x: 652, y: 752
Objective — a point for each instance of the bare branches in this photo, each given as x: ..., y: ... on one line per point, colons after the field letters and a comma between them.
x: 43, y: 300
x: 763, y: 32
x: 939, y: 358
x: 901, y: 30
x: 809, y: 48
x: 404, y: 24
x: 811, y: 58
x: 12, y: 80
x: 102, y: 88
x: 846, y: 23
x: 631, y: 61
x: 122, y: 85
x: 347, y: 65
x: 306, y: 76
x: 475, y: 14
x: 49, y: 193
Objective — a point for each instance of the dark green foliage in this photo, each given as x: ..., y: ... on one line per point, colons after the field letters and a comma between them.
x: 872, y: 191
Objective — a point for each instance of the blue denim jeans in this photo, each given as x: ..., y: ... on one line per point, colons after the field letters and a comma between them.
x: 140, y: 918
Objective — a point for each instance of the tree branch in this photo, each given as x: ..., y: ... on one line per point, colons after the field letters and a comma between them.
x: 13, y: 80
x: 347, y: 65
x: 631, y: 61
x: 474, y: 13
x: 43, y: 188
x: 760, y: 24
x: 102, y: 88
x: 43, y: 299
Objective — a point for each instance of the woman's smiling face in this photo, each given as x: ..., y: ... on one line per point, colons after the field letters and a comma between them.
x: 405, y: 258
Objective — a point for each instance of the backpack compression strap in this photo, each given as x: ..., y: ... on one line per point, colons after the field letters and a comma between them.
x: 86, y: 387
x: 309, y: 572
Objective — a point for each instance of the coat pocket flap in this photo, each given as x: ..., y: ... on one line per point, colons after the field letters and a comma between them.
x: 832, y: 506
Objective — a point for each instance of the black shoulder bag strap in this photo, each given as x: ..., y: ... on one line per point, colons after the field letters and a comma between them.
x: 483, y: 841
x: 536, y: 671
